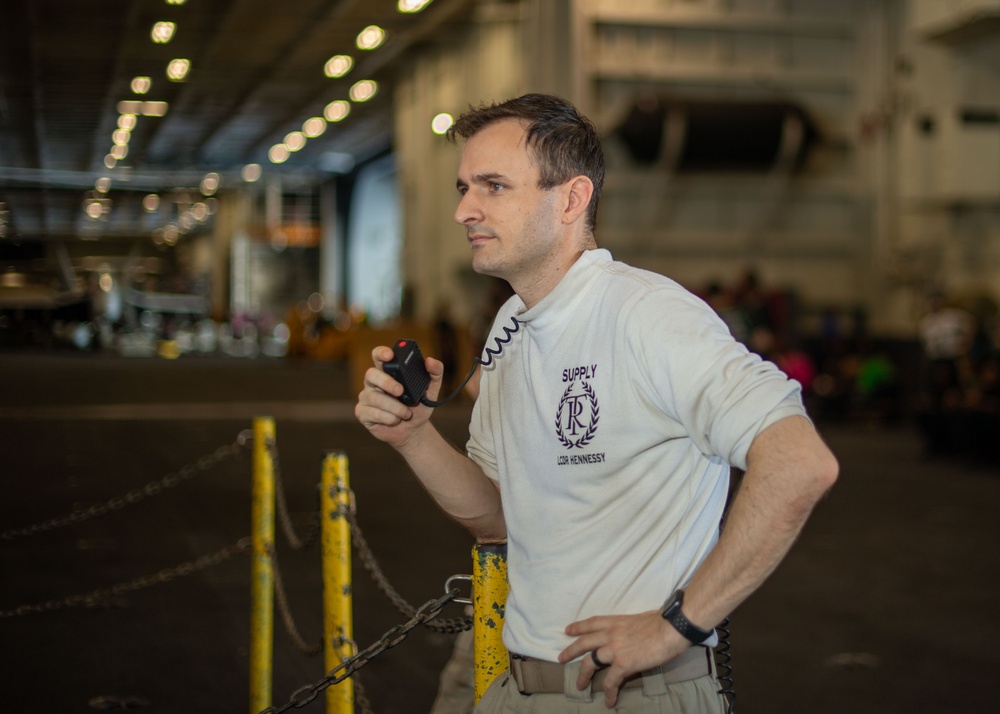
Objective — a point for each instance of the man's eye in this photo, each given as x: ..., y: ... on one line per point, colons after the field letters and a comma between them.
x: 495, y: 187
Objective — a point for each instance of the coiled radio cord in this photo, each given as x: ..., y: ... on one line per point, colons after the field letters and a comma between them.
x: 490, y: 354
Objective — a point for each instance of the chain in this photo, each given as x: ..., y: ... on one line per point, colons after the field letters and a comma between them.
x: 164, y: 576
x: 153, y: 488
x: 286, y: 614
x: 294, y: 541
x: 446, y: 626
x: 303, y: 696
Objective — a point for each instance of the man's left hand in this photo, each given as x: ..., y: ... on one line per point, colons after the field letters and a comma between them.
x: 628, y: 644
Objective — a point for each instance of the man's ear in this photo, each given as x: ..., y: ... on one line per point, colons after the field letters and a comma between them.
x: 579, y: 191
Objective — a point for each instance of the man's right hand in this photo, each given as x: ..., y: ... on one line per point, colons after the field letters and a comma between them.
x: 379, y: 408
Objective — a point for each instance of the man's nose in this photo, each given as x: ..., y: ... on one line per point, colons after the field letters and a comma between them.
x: 468, y: 210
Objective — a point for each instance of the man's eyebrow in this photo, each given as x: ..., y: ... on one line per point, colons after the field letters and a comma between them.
x: 481, y: 178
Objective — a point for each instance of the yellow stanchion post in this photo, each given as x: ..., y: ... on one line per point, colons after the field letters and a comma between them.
x: 261, y: 567
x: 338, y: 616
x: 489, y: 598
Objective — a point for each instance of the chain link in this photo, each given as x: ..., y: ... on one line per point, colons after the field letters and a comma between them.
x: 164, y: 576
x: 153, y: 488
x: 447, y: 626
x: 422, y: 616
x: 284, y: 518
x: 281, y: 598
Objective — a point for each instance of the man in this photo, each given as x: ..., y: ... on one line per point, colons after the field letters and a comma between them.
x: 611, y: 406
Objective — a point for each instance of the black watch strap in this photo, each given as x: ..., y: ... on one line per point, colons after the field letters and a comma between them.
x: 672, y: 614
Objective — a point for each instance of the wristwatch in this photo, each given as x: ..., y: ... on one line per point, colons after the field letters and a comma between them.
x: 672, y: 614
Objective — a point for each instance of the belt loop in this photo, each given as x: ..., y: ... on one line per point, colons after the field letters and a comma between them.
x: 570, y: 672
x: 653, y: 684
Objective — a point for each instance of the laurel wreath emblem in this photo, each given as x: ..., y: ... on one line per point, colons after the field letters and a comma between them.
x: 595, y: 417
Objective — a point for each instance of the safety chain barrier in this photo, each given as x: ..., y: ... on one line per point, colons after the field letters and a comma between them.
x: 294, y: 541
x: 449, y: 626
x: 281, y: 598
x: 422, y: 616
x: 153, y: 488
x: 164, y: 576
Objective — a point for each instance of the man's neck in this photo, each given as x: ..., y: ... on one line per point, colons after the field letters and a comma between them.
x: 545, y: 281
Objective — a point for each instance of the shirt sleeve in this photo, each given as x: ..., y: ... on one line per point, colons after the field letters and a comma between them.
x: 703, y: 378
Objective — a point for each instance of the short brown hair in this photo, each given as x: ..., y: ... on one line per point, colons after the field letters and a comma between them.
x: 563, y: 141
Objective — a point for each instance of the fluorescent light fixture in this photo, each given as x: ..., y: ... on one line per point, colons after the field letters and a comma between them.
x: 313, y: 127
x: 295, y: 140
x: 129, y: 107
x: 162, y: 32
x: 127, y: 122
x: 251, y: 173
x: 411, y: 6
x: 209, y: 184
x: 150, y: 202
x: 278, y: 154
x: 441, y: 123
x: 141, y: 85
x: 120, y: 137
x: 119, y: 151
x: 338, y: 66
x: 337, y: 110
x: 177, y: 69
x: 370, y: 38
x: 364, y: 90
x: 154, y: 109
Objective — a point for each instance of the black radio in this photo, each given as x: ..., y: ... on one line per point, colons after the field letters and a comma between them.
x: 407, y: 368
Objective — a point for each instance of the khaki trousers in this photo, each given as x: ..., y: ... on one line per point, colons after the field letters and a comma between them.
x: 696, y: 696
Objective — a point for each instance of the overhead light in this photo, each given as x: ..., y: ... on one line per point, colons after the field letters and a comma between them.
x: 295, y: 140
x: 278, y: 154
x: 338, y: 66
x: 200, y: 212
x: 313, y: 127
x: 363, y: 91
x: 441, y: 123
x: 209, y: 184
x: 103, y: 184
x: 141, y: 85
x: 154, y: 109
x: 120, y: 137
x: 162, y: 32
x: 94, y: 209
x: 337, y: 110
x: 177, y: 69
x: 370, y: 38
x: 129, y: 106
x: 110, y: 161
x: 251, y: 173
x: 119, y: 151
x: 176, y: 2
x: 127, y: 122
x: 150, y: 202
x: 411, y: 6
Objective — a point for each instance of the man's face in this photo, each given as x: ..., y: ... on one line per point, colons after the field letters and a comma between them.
x: 510, y: 222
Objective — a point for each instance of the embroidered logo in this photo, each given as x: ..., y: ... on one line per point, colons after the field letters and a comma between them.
x: 577, y: 416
